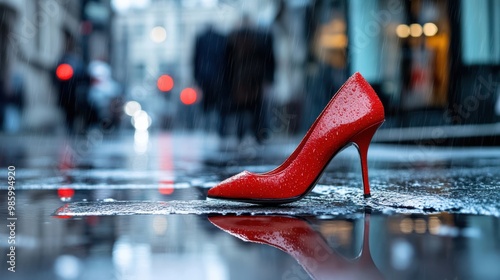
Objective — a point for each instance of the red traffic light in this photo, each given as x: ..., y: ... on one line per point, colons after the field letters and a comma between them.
x: 64, y: 72
x: 165, y: 83
x: 188, y: 96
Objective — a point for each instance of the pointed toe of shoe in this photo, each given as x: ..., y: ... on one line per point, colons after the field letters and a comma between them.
x: 217, y: 191
x: 235, y: 187
x: 253, y: 188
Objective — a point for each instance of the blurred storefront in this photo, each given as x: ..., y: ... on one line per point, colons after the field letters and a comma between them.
x: 433, y: 62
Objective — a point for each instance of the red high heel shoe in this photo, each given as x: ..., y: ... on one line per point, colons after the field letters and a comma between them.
x: 297, y: 238
x: 351, y: 117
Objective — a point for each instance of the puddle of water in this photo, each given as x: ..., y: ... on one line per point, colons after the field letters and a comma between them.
x: 130, y: 240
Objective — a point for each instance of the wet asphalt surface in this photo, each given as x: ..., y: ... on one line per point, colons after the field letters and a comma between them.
x: 128, y: 206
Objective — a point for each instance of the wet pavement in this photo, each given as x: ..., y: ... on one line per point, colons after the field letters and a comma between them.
x: 133, y: 206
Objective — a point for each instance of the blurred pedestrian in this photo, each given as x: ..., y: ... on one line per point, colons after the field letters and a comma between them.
x: 72, y: 81
x: 104, y: 94
x: 73, y: 92
x: 209, y: 73
x: 250, y: 64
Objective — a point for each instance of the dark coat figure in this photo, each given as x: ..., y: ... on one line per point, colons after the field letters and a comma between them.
x: 209, y: 63
x: 72, y: 93
x: 251, y: 64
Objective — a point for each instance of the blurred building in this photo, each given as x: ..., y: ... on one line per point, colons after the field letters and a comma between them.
x: 157, y: 38
x: 434, y: 62
x: 33, y: 37
x: 96, y: 16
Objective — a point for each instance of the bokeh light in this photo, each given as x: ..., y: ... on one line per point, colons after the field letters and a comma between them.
x: 430, y: 29
x: 64, y: 72
x: 165, y: 83
x: 188, y: 96
x: 403, y: 31
x: 416, y: 30
x: 158, y: 34
x: 132, y: 107
x: 141, y: 120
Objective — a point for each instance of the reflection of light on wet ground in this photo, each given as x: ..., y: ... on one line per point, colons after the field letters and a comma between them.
x: 406, y: 225
x: 132, y: 259
x: 160, y: 225
x: 155, y: 223
x: 166, y: 187
x: 402, y: 254
x: 461, y: 181
x: 122, y: 254
x: 65, y: 194
x: 166, y: 164
x: 215, y: 267
x: 140, y: 255
x: 420, y: 226
x: 67, y: 267
x: 434, y: 224
x: 338, y: 229
x: 141, y: 120
x: 141, y: 141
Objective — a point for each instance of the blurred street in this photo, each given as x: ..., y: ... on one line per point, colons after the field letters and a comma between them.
x: 118, y: 116
x: 121, y: 207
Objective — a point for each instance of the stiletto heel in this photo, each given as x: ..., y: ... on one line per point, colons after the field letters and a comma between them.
x: 362, y: 142
x: 351, y: 117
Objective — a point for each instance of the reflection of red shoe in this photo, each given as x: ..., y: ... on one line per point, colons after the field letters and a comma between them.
x: 351, y: 117
x: 296, y: 237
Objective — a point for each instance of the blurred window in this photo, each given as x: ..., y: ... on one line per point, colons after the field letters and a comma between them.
x: 481, y: 31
